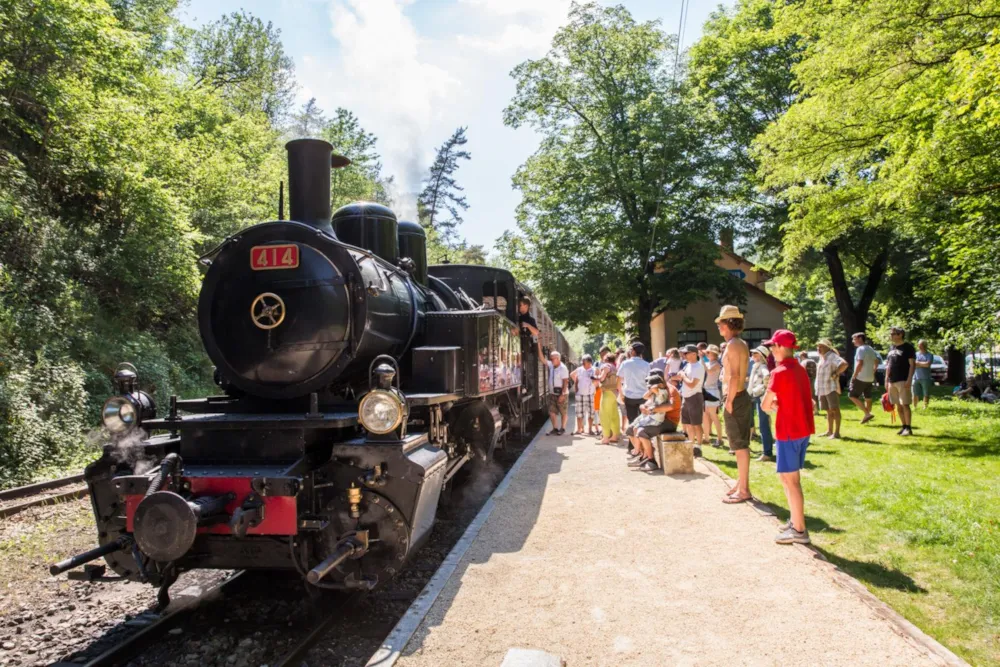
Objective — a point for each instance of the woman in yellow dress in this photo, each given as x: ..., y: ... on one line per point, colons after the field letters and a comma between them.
x: 608, y: 377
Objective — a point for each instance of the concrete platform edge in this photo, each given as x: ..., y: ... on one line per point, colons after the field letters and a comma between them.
x: 902, y: 627
x: 392, y: 647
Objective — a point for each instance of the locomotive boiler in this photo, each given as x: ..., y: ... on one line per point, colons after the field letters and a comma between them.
x: 355, y: 382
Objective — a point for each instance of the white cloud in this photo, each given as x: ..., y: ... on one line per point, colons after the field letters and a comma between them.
x: 412, y: 87
x: 517, y: 25
x: 384, y: 76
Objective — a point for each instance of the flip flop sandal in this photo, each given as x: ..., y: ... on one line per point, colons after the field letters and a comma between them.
x: 736, y: 500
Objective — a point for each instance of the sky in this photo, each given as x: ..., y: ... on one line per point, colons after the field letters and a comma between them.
x: 415, y: 70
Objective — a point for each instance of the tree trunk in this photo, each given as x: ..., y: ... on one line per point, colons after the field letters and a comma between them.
x: 854, y: 316
x: 644, y: 317
x: 956, y: 365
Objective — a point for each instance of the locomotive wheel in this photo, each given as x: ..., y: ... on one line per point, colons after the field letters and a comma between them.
x: 388, y: 540
x: 475, y: 429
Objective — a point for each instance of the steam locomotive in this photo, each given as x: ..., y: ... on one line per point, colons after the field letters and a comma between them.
x: 356, y: 382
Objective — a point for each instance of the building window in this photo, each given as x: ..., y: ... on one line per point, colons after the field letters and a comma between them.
x: 692, y: 336
x: 754, y: 337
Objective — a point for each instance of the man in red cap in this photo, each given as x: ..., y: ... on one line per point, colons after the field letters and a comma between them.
x: 789, y: 393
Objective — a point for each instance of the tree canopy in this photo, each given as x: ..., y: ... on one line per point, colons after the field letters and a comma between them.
x: 129, y: 145
x: 614, y: 221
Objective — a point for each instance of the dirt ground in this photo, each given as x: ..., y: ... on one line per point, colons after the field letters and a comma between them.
x: 45, y: 618
x: 603, y: 565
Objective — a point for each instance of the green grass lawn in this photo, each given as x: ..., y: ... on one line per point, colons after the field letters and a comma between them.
x: 915, y: 519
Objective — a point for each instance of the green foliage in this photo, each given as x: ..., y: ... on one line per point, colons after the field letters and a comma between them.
x: 614, y: 219
x: 42, y: 415
x: 242, y: 60
x: 128, y: 146
x: 895, y: 128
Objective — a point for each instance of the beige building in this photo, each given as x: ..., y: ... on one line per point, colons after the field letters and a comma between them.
x: 764, y: 313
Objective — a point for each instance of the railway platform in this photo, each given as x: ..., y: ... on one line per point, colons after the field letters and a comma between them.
x: 583, y: 561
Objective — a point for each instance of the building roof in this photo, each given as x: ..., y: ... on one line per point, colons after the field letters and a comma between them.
x: 778, y: 302
x: 766, y: 275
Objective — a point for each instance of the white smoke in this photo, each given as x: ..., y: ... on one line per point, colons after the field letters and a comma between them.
x: 125, y: 449
x: 385, y: 76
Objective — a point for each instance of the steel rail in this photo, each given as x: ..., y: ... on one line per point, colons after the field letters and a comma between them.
x: 139, y: 641
x: 72, y: 494
x: 295, y: 656
x: 32, y: 489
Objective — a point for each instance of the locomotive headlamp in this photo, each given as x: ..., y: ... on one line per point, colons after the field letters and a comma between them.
x: 124, y: 412
x: 380, y: 411
x: 119, y: 414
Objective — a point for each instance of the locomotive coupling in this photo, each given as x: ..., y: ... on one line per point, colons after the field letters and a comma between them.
x: 165, y: 524
x: 121, y: 544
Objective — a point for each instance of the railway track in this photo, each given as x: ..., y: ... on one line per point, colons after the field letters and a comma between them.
x: 13, y: 501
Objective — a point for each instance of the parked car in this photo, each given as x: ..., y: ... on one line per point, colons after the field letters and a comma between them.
x: 939, y: 370
x: 987, y: 362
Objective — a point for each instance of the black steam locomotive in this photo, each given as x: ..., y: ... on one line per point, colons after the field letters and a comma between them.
x: 356, y: 381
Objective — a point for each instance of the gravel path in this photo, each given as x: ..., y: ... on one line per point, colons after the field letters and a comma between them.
x: 603, y: 565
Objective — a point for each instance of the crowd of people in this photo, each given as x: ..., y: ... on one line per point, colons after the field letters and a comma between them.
x: 625, y: 399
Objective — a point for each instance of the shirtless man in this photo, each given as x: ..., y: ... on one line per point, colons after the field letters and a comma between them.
x: 738, y: 407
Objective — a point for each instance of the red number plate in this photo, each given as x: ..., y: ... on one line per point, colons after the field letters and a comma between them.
x: 266, y: 257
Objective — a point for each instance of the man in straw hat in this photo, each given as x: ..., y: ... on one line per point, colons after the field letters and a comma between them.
x: 738, y: 407
x: 788, y: 393
x: 828, y: 372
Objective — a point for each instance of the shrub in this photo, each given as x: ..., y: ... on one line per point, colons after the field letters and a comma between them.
x: 43, y: 416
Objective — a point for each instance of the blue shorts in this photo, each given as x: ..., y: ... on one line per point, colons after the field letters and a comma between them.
x: 791, y: 454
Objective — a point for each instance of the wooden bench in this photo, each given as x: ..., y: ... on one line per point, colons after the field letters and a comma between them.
x: 676, y: 457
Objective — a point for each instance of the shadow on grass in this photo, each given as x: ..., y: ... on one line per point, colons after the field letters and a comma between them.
x: 813, y: 523
x: 874, y: 574
x: 730, y: 463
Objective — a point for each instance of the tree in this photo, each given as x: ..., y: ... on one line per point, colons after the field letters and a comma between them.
x: 243, y: 60
x: 741, y: 74
x: 440, y: 201
x: 614, y: 219
x: 308, y: 122
x: 363, y: 178
x: 117, y: 169
x: 895, y: 132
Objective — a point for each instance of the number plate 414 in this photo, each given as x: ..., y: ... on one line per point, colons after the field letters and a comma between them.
x: 266, y: 257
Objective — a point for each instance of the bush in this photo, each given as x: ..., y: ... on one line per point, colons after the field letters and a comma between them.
x: 43, y: 413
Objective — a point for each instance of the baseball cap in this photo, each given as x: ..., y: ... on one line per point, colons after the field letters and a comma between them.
x: 782, y: 338
x: 638, y: 347
x: 690, y: 349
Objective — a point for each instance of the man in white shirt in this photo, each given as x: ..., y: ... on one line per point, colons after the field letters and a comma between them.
x: 862, y: 388
x: 692, y: 379
x: 632, y: 382
x: 583, y: 376
x: 558, y: 398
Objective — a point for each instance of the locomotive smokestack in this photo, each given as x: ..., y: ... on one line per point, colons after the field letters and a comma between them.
x: 309, y: 163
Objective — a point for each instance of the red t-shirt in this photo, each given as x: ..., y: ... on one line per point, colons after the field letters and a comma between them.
x: 790, y: 383
x: 674, y: 413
